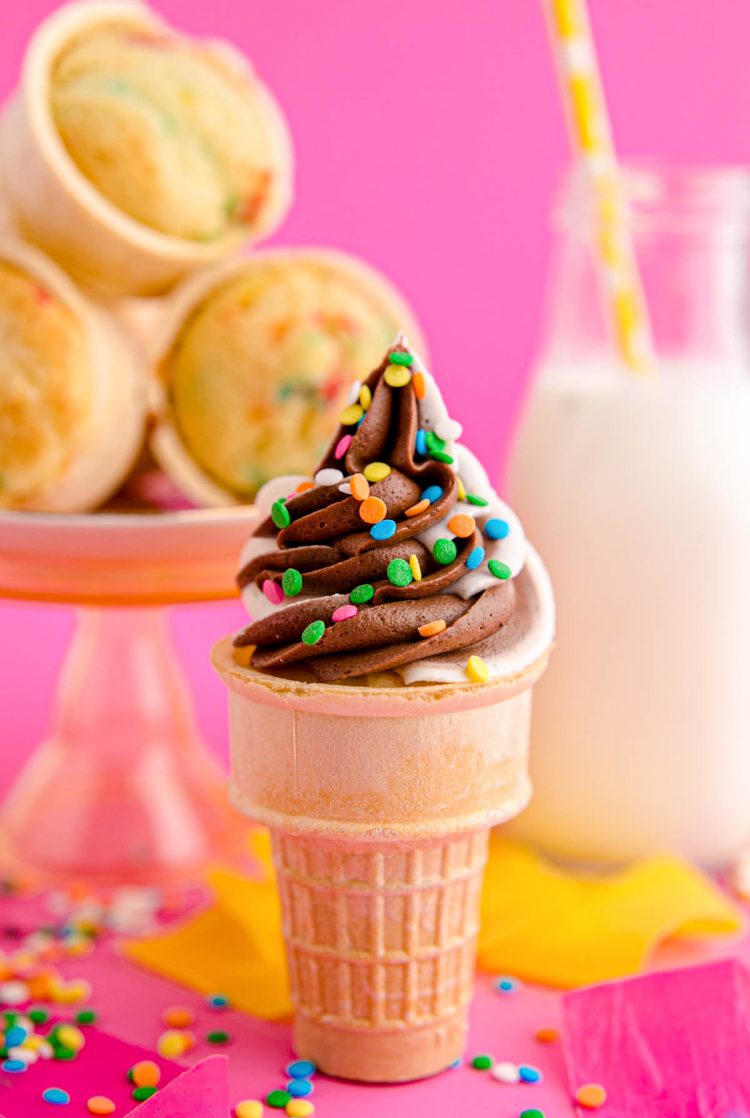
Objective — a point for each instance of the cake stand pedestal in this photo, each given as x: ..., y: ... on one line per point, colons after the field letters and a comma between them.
x: 123, y: 789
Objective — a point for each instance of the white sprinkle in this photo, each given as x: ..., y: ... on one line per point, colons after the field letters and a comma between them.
x: 346, y: 488
x: 505, y: 1073
x: 13, y: 993
x: 353, y: 397
x: 328, y: 477
x: 25, y: 1055
x: 448, y: 429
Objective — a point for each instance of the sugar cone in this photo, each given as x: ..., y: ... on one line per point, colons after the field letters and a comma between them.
x: 379, y: 803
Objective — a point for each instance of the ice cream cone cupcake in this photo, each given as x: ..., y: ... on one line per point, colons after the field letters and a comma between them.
x: 254, y: 362
x: 134, y: 155
x: 379, y: 719
x: 72, y: 390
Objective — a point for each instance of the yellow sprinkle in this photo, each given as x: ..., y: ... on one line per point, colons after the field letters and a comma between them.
x: 416, y: 570
x: 461, y: 490
x: 71, y: 1037
x: 365, y: 396
x: 249, y: 1108
x: 171, y: 1044
x: 351, y: 415
x: 477, y: 670
x: 299, y: 1108
x: 376, y: 471
x: 397, y: 376
x: 79, y: 990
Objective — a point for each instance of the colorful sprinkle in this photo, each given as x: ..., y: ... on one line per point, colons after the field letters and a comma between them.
x: 56, y: 1096
x: 376, y: 471
x: 498, y: 569
x: 441, y: 456
x: 506, y: 985
x: 434, y: 442
x: 399, y: 572
x: 329, y: 476
x: 496, y: 529
x: 361, y: 594
x: 432, y: 493
x: 291, y: 584
x: 140, y: 1094
x: 351, y: 415
x: 280, y: 514
x: 16, y: 1035
x: 145, y: 1074
x: 420, y: 443
x: 420, y: 388
x: 172, y: 1044
x: 444, y: 551
x: 40, y: 1016
x: 372, y: 510
x: 218, y: 1036
x: 547, y: 1034
x: 474, y: 500
x: 343, y: 613
x: 217, y: 1001
x: 384, y: 530
x: 359, y: 487
x: 67, y: 1035
x: 482, y: 1063
x: 85, y: 1017
x: 432, y: 628
x: 354, y: 390
x: 416, y: 570
x: 399, y: 358
x: 249, y: 1108
x: 529, y: 1074
x: 273, y: 591
x: 533, y: 1113
x: 314, y: 632
x: 278, y: 1099
x: 397, y: 376
x: 300, y: 1069
x: 100, y: 1104
x: 591, y: 1095
x: 461, y: 525
x: 477, y: 670
x: 448, y: 429
x: 365, y: 396
x: 420, y: 506
x: 461, y: 489
x: 475, y: 559
x: 342, y: 446
x: 300, y: 1088
x: 299, y: 1108
x: 505, y: 1072
x: 13, y: 1065
x: 304, y: 486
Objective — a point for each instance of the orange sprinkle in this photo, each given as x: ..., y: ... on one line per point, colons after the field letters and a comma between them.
x: 372, y: 510
x: 303, y: 485
x: 591, y: 1095
x: 145, y: 1074
x: 419, y: 507
x: 359, y: 486
x: 461, y: 525
x: 100, y: 1104
x: 548, y: 1034
x: 432, y: 628
x: 420, y: 388
x: 178, y: 1017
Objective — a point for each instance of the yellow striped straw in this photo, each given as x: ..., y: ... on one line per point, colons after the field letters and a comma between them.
x: 591, y: 133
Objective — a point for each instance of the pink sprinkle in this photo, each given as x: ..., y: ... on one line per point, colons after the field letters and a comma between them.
x: 343, y: 613
x: 342, y: 446
x: 273, y: 592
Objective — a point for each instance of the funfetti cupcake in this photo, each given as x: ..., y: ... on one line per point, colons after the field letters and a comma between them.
x: 72, y: 390
x: 379, y: 718
x: 134, y: 154
x: 256, y: 359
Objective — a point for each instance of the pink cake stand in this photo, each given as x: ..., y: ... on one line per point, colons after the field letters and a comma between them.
x: 123, y: 789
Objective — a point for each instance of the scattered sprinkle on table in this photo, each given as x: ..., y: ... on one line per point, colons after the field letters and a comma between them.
x: 249, y: 1108
x: 399, y: 358
x: 444, y: 551
x: 399, y: 572
x: 477, y: 670
x: 421, y: 506
x: 100, y: 1104
x: 482, y: 1062
x: 533, y: 1113
x: 299, y: 1108
x: 329, y: 476
x: 498, y: 569
x: 372, y: 510
x: 344, y: 613
x: 68, y: 1036
x: 85, y: 1017
x: 547, y: 1034
x: 432, y: 493
x: 13, y: 1066
x: 591, y: 1096
x: 172, y: 1044
x: 291, y: 584
x: 217, y: 1001
x: 475, y: 559
x: 505, y: 1072
x: 416, y: 570
x: 361, y: 594
x: 280, y: 514
x: 529, y: 1074
x: 420, y: 388
x: 496, y: 529
x: 300, y: 1069
x: 397, y: 377
x: 56, y: 1096
x: 461, y: 525
x: 432, y: 628
x: 218, y: 1036
x: 376, y: 471
x: 506, y: 985
x: 40, y: 1016
x: 342, y: 446
x: 313, y: 632
x: 351, y: 415
x: 300, y: 1088
x: 278, y: 1099
x: 140, y: 1094
x: 359, y: 487
x: 384, y: 530
x: 145, y: 1074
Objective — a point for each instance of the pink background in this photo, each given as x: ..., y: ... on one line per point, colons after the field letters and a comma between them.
x: 428, y: 139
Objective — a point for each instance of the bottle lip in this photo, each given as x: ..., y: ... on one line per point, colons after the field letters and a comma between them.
x: 681, y: 199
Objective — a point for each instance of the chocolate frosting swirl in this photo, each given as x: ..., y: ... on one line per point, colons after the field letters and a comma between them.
x: 327, y: 541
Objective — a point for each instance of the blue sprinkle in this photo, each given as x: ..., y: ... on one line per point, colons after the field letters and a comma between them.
x: 217, y: 1001
x: 56, y: 1096
x: 529, y: 1074
x: 13, y: 1065
x: 301, y: 1069
x: 456, y: 1064
x: 364, y: 417
x: 383, y: 530
x: 496, y: 529
x: 421, y: 442
x: 475, y: 558
x: 505, y: 985
x: 432, y: 493
x: 299, y: 1088
x: 15, y: 1035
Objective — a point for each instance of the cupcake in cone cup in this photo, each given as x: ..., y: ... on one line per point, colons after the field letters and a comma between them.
x: 379, y: 720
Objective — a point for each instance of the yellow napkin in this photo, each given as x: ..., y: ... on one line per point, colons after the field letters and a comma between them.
x: 538, y: 923
x: 557, y: 929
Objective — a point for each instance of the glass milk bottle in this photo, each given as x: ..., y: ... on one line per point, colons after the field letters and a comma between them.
x: 636, y: 491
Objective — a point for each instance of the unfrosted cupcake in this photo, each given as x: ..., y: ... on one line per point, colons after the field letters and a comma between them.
x: 72, y: 399
x: 256, y: 362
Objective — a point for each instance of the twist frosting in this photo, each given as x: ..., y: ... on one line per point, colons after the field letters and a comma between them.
x: 398, y: 555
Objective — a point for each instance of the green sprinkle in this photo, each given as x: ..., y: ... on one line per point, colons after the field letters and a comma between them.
x: 278, y: 1099
x: 533, y: 1113
x: 140, y: 1094
x: 313, y: 632
x: 86, y: 1017
x: 62, y: 1053
x: 399, y: 572
x: 280, y: 514
x: 482, y: 1063
x: 361, y: 594
x: 498, y: 569
x: 220, y: 1037
x: 434, y: 442
x: 38, y: 1015
x: 401, y: 358
x: 444, y: 552
x: 440, y: 456
x: 474, y: 500
x: 291, y: 582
